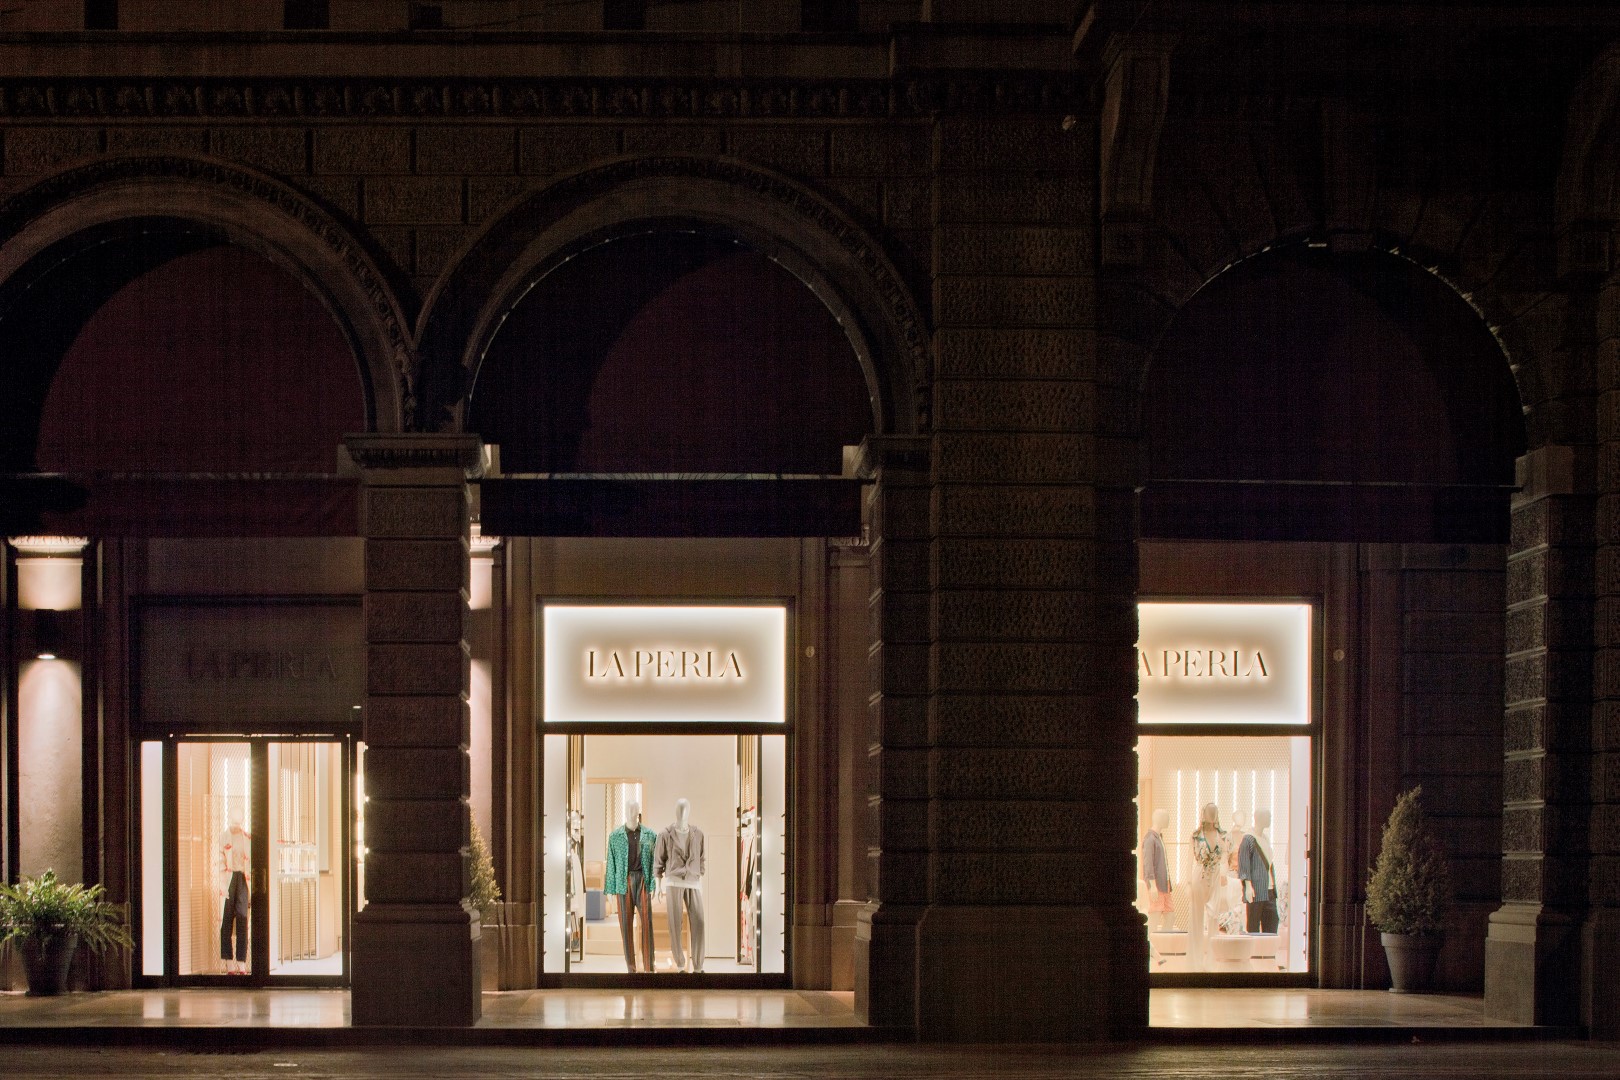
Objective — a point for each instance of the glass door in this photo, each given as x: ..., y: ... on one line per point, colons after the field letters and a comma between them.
x: 255, y: 862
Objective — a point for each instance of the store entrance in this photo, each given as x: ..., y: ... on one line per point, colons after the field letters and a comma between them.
x: 245, y: 874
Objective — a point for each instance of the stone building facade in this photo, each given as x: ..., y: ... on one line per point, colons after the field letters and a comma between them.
x: 1184, y: 301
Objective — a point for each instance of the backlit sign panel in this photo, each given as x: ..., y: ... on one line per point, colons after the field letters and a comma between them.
x: 1223, y: 664
x: 623, y: 664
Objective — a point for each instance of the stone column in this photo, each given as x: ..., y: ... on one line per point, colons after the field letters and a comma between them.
x: 897, y: 736
x: 1533, y: 971
x: 416, y: 942
x: 1600, y: 943
x: 1029, y: 933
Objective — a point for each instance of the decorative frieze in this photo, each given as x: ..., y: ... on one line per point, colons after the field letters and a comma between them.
x: 1047, y: 93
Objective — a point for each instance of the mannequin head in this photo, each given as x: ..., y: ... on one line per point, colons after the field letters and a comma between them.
x: 1262, y: 820
x: 683, y: 813
x: 632, y: 815
x: 1161, y: 820
x: 1209, y: 818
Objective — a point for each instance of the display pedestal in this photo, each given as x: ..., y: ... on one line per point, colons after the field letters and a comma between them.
x: 1230, y: 951
x: 1169, y: 942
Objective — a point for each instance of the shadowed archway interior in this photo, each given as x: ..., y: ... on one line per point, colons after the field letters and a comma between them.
x: 1310, y: 395
x: 670, y: 351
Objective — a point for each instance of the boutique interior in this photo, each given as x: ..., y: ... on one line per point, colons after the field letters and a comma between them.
x: 1223, y: 803
x: 733, y: 788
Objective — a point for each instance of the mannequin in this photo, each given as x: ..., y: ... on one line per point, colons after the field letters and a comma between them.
x: 679, y: 864
x: 1259, y: 877
x: 1156, y: 873
x: 1210, y: 848
x: 235, y: 862
x: 629, y: 876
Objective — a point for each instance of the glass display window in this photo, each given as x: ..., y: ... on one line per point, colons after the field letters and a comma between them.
x: 1238, y: 893
x: 701, y: 819
x: 1226, y: 710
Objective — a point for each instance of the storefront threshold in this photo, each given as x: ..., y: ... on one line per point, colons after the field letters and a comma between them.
x: 1289, y: 1014
x: 250, y: 1018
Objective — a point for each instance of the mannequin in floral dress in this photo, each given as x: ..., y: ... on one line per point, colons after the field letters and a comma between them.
x: 1210, y: 847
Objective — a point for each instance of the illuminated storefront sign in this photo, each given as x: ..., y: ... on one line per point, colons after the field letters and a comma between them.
x: 1223, y: 663
x: 619, y: 664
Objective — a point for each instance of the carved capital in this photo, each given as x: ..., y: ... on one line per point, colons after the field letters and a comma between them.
x: 417, y: 453
x: 1136, y: 94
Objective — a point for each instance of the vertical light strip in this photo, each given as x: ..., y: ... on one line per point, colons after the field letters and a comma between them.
x: 1181, y: 823
x: 152, y: 858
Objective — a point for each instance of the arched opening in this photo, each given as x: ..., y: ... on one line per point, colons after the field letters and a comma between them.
x: 671, y: 351
x: 165, y: 365
x: 1329, y: 443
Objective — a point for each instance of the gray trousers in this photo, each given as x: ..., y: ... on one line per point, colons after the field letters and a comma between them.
x: 675, y: 899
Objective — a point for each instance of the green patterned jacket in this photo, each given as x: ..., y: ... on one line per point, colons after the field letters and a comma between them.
x: 618, y: 860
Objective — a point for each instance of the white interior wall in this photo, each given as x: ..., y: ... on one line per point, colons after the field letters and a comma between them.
x: 700, y: 768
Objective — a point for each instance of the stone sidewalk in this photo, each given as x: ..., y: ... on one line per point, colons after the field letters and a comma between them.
x: 1405, y: 1061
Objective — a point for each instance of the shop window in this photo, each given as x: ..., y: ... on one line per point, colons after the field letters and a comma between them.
x: 101, y: 14
x: 708, y: 812
x: 306, y: 15
x: 1224, y: 760
x: 1239, y: 904
x: 665, y: 846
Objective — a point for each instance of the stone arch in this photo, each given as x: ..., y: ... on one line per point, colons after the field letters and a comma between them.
x: 248, y: 209
x: 821, y: 246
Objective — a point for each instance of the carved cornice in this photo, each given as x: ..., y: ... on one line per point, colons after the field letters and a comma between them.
x: 34, y: 201
x: 417, y: 451
x: 428, y: 99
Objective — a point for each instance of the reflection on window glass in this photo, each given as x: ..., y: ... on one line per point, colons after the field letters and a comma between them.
x: 1222, y: 868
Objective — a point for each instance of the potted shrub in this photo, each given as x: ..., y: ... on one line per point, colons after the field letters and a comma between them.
x: 485, y: 895
x: 49, y: 920
x: 1407, y: 895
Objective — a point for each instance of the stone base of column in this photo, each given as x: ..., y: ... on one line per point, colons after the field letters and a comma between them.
x: 416, y: 966
x: 886, y: 965
x: 1532, y: 965
x: 1600, y: 949
x: 1031, y: 974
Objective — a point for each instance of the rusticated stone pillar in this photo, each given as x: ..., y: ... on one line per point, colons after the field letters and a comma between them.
x: 1600, y: 944
x: 416, y: 942
x: 1007, y: 816
x: 886, y: 931
x: 1533, y: 971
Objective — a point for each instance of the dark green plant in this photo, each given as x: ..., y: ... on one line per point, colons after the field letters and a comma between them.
x: 486, y: 892
x: 41, y: 907
x: 1410, y: 887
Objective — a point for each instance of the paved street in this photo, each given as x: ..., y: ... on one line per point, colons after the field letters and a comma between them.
x: 1452, y: 1061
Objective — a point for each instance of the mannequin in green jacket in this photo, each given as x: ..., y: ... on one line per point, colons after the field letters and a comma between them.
x: 629, y: 876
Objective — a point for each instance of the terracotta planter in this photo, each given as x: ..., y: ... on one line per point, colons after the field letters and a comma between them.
x: 47, y: 961
x: 1411, y: 961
